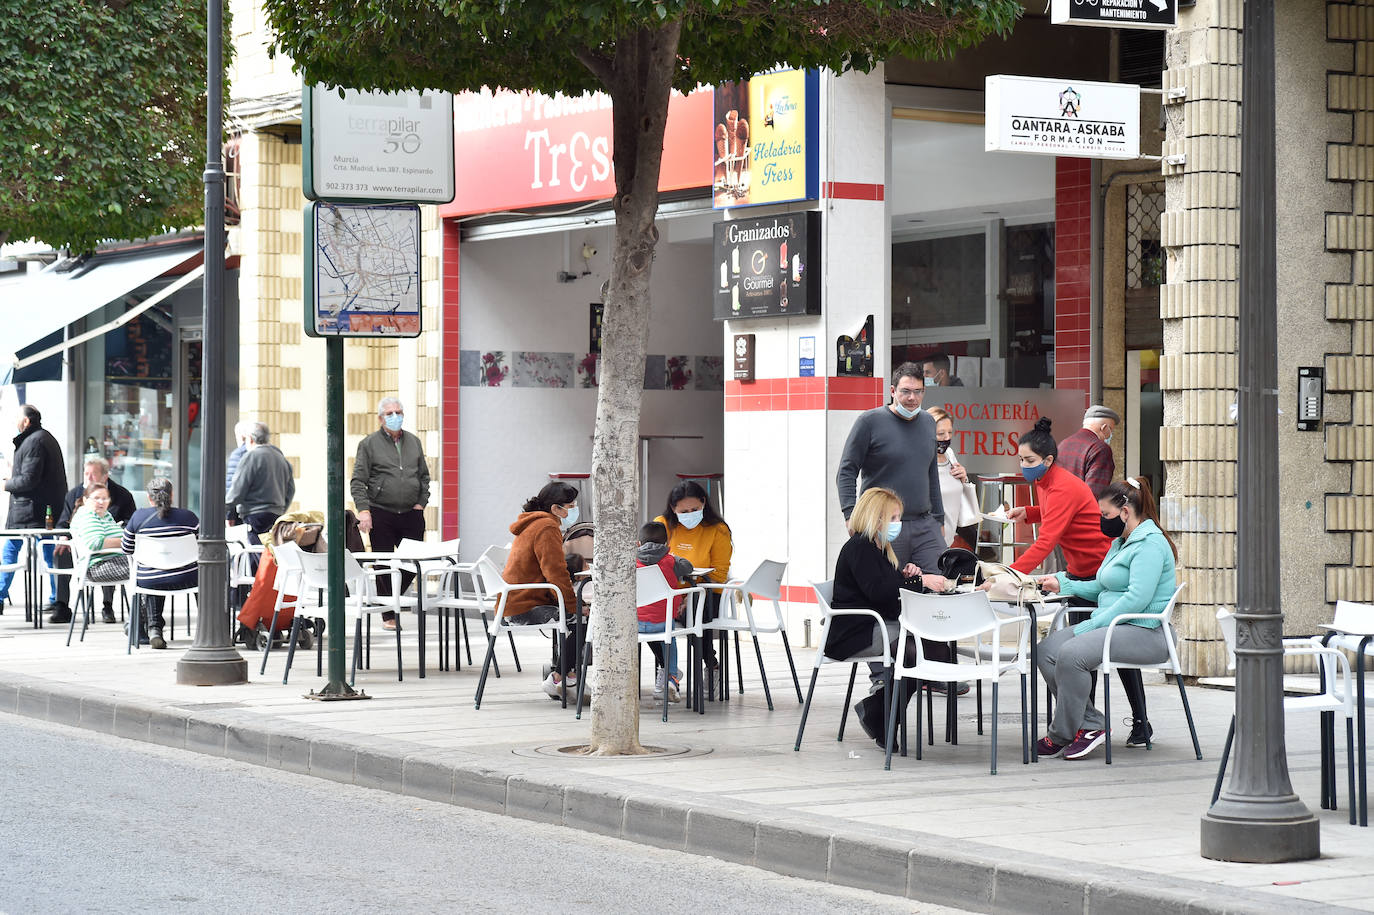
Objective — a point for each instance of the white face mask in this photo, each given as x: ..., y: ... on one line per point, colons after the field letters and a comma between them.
x: 903, y: 412
x: 690, y: 520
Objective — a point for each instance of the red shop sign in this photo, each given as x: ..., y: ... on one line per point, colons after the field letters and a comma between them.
x: 518, y: 150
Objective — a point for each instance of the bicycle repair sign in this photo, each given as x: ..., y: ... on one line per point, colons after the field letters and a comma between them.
x: 1120, y: 14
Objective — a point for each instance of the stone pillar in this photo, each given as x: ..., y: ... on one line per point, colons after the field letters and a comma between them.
x: 1199, y: 305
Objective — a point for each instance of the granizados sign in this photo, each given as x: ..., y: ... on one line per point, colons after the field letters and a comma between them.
x: 1060, y: 117
x: 763, y: 267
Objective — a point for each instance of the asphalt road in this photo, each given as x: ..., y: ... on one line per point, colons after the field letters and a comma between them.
x: 92, y: 823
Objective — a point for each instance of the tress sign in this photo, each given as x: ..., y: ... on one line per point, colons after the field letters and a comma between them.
x: 764, y: 268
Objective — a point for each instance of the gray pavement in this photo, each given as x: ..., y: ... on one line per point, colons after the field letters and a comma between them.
x: 1055, y: 836
x: 136, y: 834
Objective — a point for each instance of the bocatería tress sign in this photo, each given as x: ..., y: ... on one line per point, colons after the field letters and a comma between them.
x: 1062, y: 117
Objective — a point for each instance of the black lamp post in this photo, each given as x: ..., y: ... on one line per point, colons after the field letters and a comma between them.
x: 1258, y: 818
x: 212, y: 659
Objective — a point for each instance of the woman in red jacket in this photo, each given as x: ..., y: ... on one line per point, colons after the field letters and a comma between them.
x: 1069, y: 517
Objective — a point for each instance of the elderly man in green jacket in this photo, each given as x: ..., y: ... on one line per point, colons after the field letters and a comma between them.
x: 390, y: 489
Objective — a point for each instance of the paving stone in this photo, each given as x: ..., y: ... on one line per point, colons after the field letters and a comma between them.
x: 869, y: 864
x: 204, y: 736
x: 792, y: 851
x: 247, y: 744
x: 479, y: 789
x: 378, y: 770
x: 64, y: 708
x: 167, y: 729
x: 427, y: 779
x: 289, y: 752
x: 532, y: 800
x: 658, y: 823
x: 33, y: 703
x: 131, y: 721
x: 332, y: 760
x: 721, y: 835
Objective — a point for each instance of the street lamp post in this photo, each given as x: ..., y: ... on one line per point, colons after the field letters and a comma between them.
x: 212, y: 659
x: 1258, y: 818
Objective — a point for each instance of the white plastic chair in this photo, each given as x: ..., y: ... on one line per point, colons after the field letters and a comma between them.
x: 162, y: 553
x: 1169, y: 665
x: 737, y: 614
x: 358, y: 596
x: 652, y: 587
x: 1352, y: 630
x: 241, y: 552
x: 429, y: 562
x: 289, y: 587
x: 1337, y: 695
x: 1001, y: 645
x: 499, y: 590
x: 81, y: 561
x: 463, y: 594
x: 825, y: 593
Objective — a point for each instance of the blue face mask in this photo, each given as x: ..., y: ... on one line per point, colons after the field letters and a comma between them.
x: 893, y: 529
x: 690, y: 520
x: 932, y: 382
x: 393, y: 421
x: 1034, y: 473
x: 903, y: 412
x: 571, y: 519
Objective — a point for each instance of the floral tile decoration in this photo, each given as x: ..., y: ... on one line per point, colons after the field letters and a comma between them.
x: 655, y: 370
x: 710, y: 372
x: 587, y: 368
x: 494, y: 369
x: 678, y: 373
x: 543, y: 370
x: 469, y: 368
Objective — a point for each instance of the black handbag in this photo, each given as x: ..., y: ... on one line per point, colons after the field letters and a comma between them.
x: 958, y: 564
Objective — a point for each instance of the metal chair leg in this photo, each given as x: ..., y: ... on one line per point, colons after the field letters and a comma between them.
x: 1107, y: 711
x: 848, y: 694
x: 806, y: 707
x: 1188, y: 712
x: 796, y: 683
x: 482, y: 680
x: 994, y: 727
x: 1225, y: 758
x: 767, y: 694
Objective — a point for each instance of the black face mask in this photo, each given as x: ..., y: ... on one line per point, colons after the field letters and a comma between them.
x: 942, y: 447
x: 1114, y: 527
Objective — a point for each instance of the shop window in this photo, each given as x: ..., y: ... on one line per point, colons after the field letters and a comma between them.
x: 1145, y: 265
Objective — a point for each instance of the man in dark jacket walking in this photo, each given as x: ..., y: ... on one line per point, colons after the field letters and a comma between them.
x: 36, y: 483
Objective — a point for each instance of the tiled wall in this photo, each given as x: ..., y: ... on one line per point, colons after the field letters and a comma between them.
x: 1073, y: 274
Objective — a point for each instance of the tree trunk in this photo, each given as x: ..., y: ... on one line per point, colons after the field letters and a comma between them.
x: 639, y: 79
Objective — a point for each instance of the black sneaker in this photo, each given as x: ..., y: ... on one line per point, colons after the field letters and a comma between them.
x: 107, y: 614
x: 1141, y: 734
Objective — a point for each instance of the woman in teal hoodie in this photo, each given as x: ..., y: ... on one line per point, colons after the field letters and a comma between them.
x: 1136, y: 576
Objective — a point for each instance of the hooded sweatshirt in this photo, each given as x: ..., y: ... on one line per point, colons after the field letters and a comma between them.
x: 674, y: 568
x: 536, y: 555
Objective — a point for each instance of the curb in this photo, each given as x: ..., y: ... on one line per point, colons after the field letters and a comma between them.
x: 927, y: 868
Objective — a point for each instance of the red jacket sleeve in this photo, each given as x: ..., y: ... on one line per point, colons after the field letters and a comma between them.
x: 1053, y: 516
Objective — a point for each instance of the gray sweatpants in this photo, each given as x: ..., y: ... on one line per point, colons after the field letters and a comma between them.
x: 1067, y: 662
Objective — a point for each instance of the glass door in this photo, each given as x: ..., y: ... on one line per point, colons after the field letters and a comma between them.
x: 189, y: 421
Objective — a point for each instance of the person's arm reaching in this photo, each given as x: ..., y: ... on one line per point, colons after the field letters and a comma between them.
x: 1054, y: 520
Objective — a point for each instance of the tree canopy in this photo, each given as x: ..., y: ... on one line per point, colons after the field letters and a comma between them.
x: 558, y: 46
x: 102, y: 107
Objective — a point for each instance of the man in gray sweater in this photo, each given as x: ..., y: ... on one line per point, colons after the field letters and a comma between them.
x: 263, y: 485
x: 894, y: 447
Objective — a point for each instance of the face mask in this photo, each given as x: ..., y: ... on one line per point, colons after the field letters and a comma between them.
x: 1108, y: 439
x: 393, y: 421
x: 932, y: 382
x: 690, y: 520
x: 893, y: 529
x: 903, y: 412
x: 571, y: 519
x: 1114, y: 527
x: 942, y: 447
x: 1034, y: 473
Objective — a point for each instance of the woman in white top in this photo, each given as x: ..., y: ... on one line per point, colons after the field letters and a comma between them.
x: 956, y: 491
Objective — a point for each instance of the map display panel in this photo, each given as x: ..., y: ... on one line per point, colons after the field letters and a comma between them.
x: 362, y: 270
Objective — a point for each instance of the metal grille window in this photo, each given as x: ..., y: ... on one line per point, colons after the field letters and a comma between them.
x: 1144, y: 254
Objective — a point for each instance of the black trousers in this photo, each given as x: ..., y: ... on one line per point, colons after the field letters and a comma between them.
x: 388, y: 530
x: 259, y: 523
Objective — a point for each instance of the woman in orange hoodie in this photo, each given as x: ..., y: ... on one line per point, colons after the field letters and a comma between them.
x: 536, y: 555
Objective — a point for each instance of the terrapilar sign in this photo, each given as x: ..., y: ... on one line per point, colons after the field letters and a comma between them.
x: 1122, y: 14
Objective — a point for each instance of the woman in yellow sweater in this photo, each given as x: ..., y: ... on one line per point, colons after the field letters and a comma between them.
x: 700, y: 536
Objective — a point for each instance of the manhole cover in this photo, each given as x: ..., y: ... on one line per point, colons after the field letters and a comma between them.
x: 579, y: 751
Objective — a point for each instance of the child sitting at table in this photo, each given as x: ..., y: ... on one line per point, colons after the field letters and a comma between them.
x: 653, y: 551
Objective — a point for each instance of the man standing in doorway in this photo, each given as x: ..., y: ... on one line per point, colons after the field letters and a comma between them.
x: 264, y: 484
x: 390, y: 488
x: 1087, y: 454
x: 95, y: 471
x: 936, y: 370
x: 37, y: 481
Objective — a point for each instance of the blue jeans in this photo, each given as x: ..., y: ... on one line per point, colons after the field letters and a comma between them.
x: 10, y: 554
x: 657, y: 647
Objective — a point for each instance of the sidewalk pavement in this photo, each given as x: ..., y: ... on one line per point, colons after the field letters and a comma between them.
x: 1057, y: 836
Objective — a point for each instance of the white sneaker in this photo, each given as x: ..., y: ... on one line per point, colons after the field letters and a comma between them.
x: 554, y: 688
x: 673, y: 694
x: 659, y: 679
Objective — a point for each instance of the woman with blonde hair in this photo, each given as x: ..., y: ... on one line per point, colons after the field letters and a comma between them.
x: 867, y: 577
